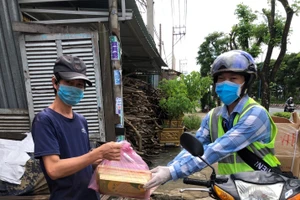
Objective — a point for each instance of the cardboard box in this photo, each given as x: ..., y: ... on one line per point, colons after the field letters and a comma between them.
x: 122, y: 182
x: 287, y: 143
x: 290, y: 164
x: 287, y: 140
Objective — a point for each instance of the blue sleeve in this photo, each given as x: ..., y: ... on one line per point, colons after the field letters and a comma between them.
x: 185, y: 157
x: 44, y: 136
x: 253, y: 126
x: 203, y: 133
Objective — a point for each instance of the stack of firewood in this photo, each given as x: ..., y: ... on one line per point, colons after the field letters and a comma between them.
x: 142, y: 117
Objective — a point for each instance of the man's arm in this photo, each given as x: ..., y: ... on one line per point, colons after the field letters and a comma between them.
x: 59, y: 168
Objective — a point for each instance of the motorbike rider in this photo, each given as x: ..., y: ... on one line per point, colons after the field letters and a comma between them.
x: 239, y: 123
x: 289, y: 100
x: 288, y: 104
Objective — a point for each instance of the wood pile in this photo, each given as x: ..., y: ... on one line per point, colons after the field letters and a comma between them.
x: 142, y: 117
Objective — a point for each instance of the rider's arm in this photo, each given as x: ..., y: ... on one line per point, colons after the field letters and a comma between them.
x: 253, y: 126
x: 203, y: 135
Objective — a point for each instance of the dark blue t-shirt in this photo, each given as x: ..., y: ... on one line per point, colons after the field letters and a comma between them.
x: 55, y: 134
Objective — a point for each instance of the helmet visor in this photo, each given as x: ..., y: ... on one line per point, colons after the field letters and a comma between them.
x: 233, y: 61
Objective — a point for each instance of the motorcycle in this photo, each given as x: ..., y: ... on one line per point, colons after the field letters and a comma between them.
x: 255, y: 185
x: 289, y: 107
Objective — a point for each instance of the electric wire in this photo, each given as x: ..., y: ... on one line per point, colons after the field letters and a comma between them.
x: 179, y: 9
x: 175, y: 44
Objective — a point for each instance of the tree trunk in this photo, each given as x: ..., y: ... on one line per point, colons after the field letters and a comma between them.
x: 289, y: 16
x: 265, y: 96
x: 268, y: 74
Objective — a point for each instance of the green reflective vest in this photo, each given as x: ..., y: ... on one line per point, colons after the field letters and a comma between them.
x: 234, y: 163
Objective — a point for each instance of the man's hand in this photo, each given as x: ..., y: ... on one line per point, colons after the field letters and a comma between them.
x: 109, y: 151
x: 160, y: 175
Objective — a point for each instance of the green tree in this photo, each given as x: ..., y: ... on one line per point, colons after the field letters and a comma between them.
x: 287, y: 78
x: 182, y: 95
x: 214, y: 44
x: 278, y: 36
x: 196, y: 85
x: 250, y: 34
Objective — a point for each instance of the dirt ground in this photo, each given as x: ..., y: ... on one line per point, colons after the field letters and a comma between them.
x: 170, y: 190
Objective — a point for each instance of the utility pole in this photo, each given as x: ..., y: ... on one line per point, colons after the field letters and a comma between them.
x: 173, y: 63
x: 180, y: 31
x: 115, y: 55
x: 150, y: 28
x: 150, y: 24
x: 160, y: 39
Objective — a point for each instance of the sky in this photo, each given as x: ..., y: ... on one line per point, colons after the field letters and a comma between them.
x: 201, y: 19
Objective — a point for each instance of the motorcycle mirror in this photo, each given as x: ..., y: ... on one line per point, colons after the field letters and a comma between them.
x: 189, y: 142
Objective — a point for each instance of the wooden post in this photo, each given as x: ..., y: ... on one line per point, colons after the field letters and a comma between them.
x: 115, y: 55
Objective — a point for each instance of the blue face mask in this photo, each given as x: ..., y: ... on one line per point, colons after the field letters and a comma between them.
x: 228, y: 91
x: 70, y: 95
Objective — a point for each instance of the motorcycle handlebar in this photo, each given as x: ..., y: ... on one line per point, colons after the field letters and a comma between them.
x: 196, y: 182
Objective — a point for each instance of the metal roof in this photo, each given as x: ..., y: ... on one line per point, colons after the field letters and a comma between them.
x: 138, y: 47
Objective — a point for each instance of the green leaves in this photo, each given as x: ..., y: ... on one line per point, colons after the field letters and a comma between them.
x: 182, y: 95
x: 196, y: 85
x: 214, y: 44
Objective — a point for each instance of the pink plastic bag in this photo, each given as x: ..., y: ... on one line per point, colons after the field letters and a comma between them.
x: 130, y: 166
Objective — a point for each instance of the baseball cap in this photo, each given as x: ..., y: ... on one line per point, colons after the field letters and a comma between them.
x: 70, y: 68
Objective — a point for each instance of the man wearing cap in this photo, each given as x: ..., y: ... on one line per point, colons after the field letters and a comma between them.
x: 61, y: 136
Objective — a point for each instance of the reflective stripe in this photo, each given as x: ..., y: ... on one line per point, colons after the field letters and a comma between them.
x: 214, y: 126
x: 230, y: 159
x: 261, y: 153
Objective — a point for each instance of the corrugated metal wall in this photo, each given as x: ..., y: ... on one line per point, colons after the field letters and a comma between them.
x: 39, y: 53
x: 13, y: 121
x: 12, y: 89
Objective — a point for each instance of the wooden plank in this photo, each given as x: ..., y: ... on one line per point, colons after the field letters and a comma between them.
x: 41, y: 28
x: 98, y: 82
x: 36, y: 197
x: 26, y: 78
x: 12, y: 136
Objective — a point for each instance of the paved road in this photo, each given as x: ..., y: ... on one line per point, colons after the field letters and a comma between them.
x: 273, y: 110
